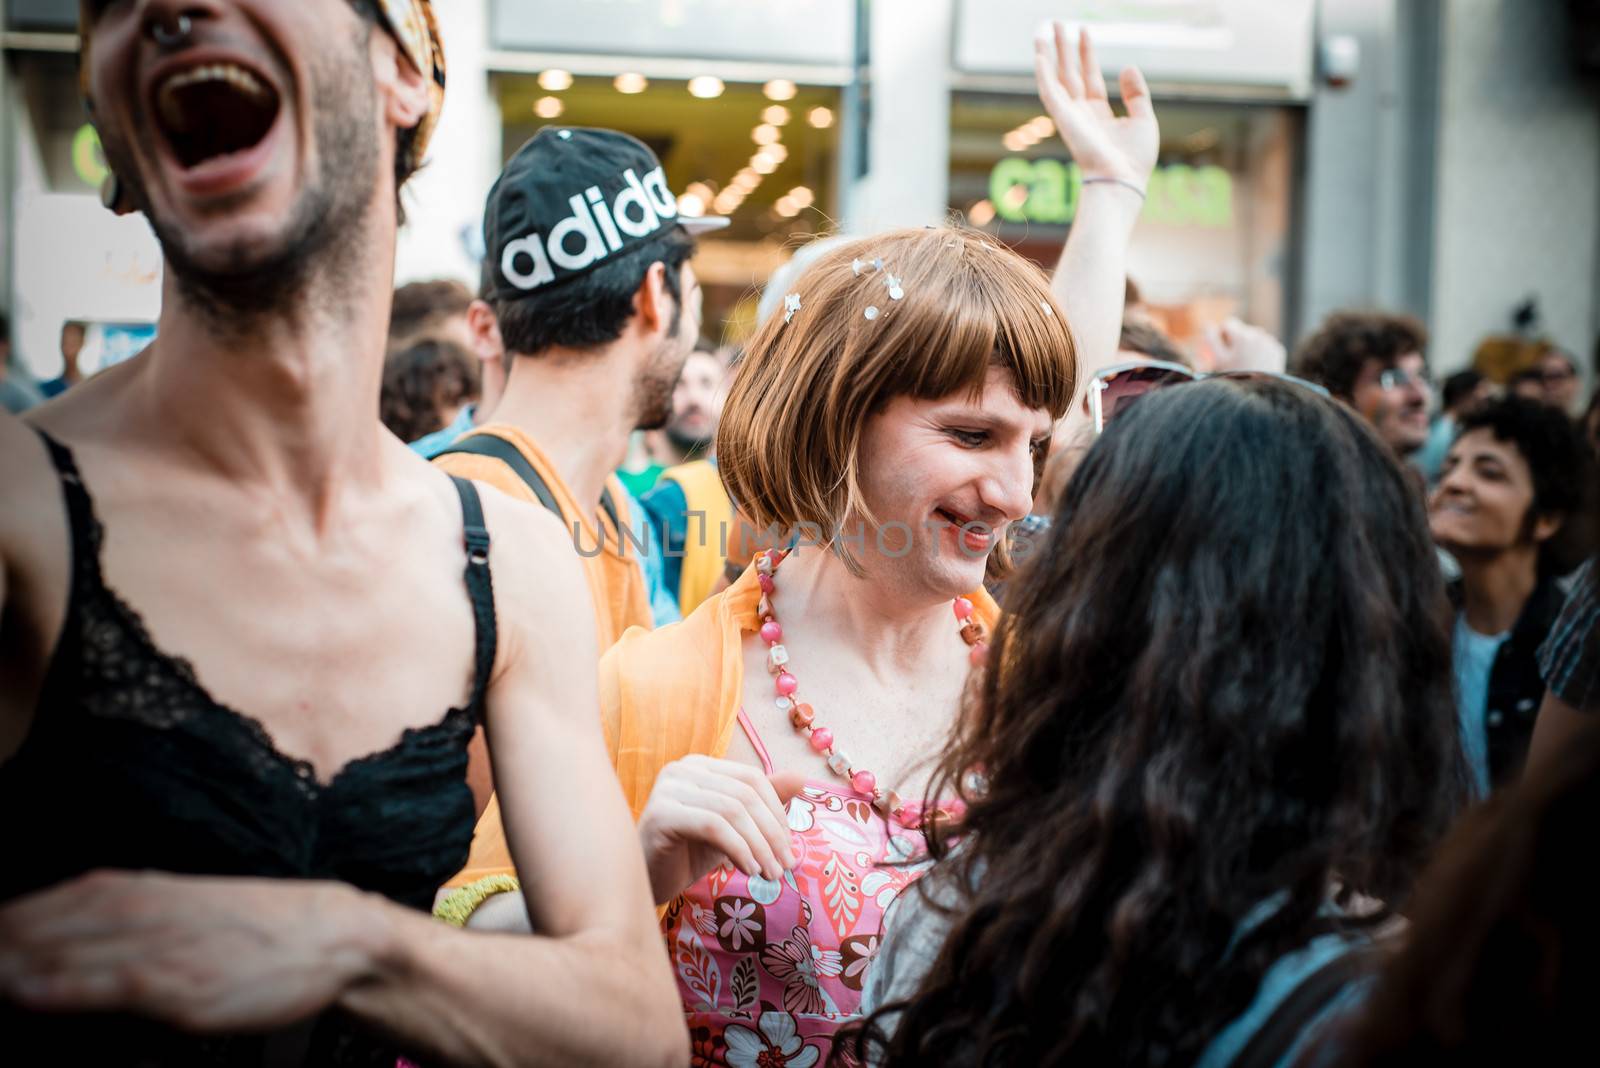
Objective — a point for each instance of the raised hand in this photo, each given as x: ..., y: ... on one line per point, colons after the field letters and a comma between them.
x: 1238, y: 346
x: 1073, y: 91
x: 703, y: 812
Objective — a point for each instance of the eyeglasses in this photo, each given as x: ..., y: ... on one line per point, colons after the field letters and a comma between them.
x: 1114, y: 387
x: 1394, y: 378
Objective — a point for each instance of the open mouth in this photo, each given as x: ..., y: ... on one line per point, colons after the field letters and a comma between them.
x: 214, y: 110
x: 977, y: 536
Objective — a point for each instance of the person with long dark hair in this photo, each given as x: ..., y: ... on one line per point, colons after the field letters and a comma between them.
x: 1217, y: 745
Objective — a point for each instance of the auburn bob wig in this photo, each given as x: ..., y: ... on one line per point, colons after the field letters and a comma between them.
x: 789, y: 443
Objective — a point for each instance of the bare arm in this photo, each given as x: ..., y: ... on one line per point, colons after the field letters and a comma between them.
x: 1558, y: 726
x: 594, y: 986
x: 1090, y: 277
x: 220, y: 955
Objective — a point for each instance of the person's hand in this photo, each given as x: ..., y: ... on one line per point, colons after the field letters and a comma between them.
x: 704, y: 812
x: 1073, y: 91
x: 204, y: 955
x: 1238, y: 346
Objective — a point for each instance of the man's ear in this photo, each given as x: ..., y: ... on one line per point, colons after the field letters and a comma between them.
x: 402, y: 88
x: 484, y: 326
x: 653, y: 304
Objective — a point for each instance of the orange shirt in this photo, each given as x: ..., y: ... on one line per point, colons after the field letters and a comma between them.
x: 666, y: 694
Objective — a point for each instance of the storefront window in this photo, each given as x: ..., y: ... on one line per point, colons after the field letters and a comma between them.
x: 763, y: 155
x: 68, y: 147
x: 1215, y: 237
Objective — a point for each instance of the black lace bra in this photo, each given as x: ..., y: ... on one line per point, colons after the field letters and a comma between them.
x: 131, y: 764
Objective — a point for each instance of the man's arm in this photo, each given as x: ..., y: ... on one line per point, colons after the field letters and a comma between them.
x: 594, y: 986
x: 1557, y: 728
x: 1115, y: 156
x: 218, y: 955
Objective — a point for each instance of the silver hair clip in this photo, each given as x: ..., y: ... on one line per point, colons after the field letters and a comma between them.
x: 791, y: 304
x: 871, y: 313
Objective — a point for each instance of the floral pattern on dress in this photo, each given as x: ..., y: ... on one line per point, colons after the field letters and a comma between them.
x: 769, y: 970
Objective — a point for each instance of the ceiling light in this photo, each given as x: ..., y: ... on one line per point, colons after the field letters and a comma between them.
x: 787, y: 207
x: 821, y: 118
x: 765, y: 134
x: 981, y: 213
x: 763, y: 164
x: 776, y: 153
x: 631, y: 83
x: 802, y: 196
x: 705, y: 87
x: 691, y: 206
x: 555, y: 80
x: 548, y: 107
x: 1042, y: 126
x: 1014, y: 141
x: 776, y: 114
x: 698, y: 189
x: 779, y: 89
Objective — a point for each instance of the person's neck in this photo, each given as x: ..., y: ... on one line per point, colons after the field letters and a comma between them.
x: 493, y: 378
x: 578, y: 406
x: 1495, y: 588
x: 282, y: 403
x: 894, y: 634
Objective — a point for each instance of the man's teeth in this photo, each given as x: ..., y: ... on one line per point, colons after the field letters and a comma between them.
x: 235, y: 76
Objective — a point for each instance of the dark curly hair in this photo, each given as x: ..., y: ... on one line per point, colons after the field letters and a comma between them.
x: 1226, y: 678
x: 423, y: 381
x: 1560, y: 462
x: 1334, y: 355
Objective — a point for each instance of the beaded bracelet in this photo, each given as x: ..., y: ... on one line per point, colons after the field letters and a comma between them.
x: 461, y: 902
x: 1118, y: 181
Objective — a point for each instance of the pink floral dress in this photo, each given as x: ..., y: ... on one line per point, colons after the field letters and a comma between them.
x: 768, y: 971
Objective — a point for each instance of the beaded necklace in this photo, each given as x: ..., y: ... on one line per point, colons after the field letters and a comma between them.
x: 803, y: 716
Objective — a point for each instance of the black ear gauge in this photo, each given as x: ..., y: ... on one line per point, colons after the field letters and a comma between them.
x: 110, y: 192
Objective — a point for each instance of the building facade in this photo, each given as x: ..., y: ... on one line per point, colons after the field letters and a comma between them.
x: 1316, y: 154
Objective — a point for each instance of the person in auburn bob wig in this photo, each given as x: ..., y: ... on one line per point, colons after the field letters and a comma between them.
x: 883, y: 431
x: 1216, y: 744
x: 882, y: 434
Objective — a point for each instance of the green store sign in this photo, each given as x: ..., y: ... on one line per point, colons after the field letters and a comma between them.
x: 1046, y: 191
x: 88, y: 159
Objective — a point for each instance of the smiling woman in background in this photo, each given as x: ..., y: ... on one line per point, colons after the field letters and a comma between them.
x: 1508, y: 496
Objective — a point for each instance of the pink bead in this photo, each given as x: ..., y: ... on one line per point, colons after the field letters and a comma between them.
x: 963, y: 608
x: 979, y: 654
x: 909, y: 814
x: 771, y: 633
x: 864, y: 782
x: 822, y: 739
x: 766, y: 583
x: 786, y: 684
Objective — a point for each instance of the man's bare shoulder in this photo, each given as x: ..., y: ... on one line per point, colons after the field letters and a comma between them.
x: 525, y: 534
x: 539, y: 585
x: 28, y: 484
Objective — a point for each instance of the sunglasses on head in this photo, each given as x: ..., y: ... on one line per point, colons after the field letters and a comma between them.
x: 1112, y: 388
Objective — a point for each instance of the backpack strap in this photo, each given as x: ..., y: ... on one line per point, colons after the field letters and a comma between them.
x: 611, y: 510
x: 499, y: 448
x: 1275, y: 1039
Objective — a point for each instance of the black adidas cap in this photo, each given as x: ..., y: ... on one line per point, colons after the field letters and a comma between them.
x: 571, y: 199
